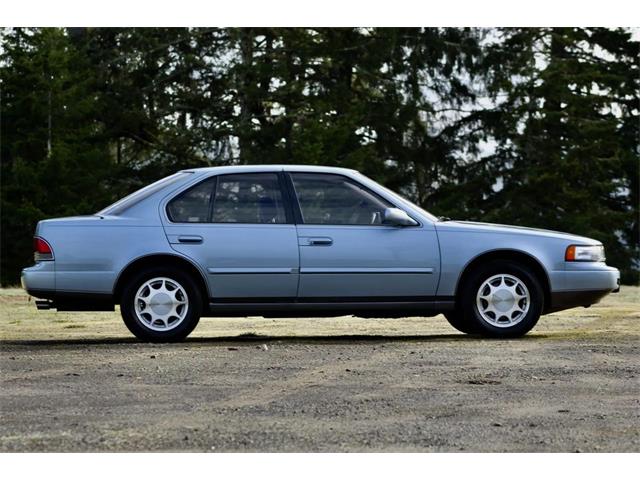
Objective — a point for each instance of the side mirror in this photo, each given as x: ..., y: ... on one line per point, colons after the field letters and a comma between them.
x: 397, y: 217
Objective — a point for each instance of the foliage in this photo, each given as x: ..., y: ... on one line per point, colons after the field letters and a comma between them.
x: 532, y: 126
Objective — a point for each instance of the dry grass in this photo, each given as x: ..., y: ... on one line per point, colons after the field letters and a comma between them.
x: 618, y: 314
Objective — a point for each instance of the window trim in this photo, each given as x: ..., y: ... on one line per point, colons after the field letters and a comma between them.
x: 288, y: 210
x: 300, y: 217
x: 293, y: 199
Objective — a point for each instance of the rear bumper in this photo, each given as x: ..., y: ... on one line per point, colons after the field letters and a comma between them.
x: 39, y: 282
x: 72, y: 301
x: 39, y: 277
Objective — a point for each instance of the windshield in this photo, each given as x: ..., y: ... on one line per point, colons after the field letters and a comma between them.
x: 430, y: 216
x: 139, y: 195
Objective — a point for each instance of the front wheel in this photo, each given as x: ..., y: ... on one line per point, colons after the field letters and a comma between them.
x: 456, y: 320
x: 501, y: 299
x: 161, y: 305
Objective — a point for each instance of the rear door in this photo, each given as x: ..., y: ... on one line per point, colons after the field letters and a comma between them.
x: 239, y: 229
x: 347, y: 253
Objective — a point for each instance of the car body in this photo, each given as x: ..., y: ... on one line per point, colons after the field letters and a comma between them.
x: 289, y: 240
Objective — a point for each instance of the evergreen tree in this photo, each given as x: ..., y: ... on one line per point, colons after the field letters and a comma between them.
x: 532, y: 126
x: 53, y: 160
x: 566, y: 133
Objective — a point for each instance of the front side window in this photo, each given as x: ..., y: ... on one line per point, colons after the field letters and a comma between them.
x: 248, y: 198
x: 328, y: 199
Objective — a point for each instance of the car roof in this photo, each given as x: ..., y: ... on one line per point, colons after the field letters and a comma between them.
x: 270, y: 168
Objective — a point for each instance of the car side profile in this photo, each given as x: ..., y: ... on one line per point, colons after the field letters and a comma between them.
x: 304, y: 241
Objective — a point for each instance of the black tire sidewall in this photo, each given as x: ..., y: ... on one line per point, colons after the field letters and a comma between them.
x: 194, y: 310
x: 457, y: 321
x: 470, y: 311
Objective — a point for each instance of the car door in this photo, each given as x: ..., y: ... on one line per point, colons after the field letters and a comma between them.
x: 346, y: 252
x: 239, y: 229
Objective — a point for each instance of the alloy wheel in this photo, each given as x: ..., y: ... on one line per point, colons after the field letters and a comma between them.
x: 503, y: 300
x: 161, y: 304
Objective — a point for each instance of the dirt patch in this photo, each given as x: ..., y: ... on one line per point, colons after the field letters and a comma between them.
x: 80, y: 382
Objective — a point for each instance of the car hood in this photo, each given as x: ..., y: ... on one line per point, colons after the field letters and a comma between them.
x: 457, y: 225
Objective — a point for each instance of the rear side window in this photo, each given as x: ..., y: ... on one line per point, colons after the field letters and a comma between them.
x: 328, y: 199
x: 194, y: 205
x: 235, y: 198
x: 249, y: 198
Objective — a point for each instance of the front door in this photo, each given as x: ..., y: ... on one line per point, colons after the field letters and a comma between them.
x: 236, y: 227
x: 347, y: 253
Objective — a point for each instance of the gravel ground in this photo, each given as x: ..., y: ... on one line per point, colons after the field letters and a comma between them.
x: 79, y: 382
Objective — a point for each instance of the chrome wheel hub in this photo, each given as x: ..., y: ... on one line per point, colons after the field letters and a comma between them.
x: 503, y: 300
x: 161, y: 304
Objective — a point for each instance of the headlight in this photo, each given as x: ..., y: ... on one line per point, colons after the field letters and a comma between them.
x: 583, y: 253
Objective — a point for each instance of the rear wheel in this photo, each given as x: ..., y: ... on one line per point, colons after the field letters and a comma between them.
x: 161, y: 305
x: 500, y: 299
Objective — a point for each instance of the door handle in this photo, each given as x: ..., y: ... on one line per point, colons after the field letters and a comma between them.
x: 320, y: 241
x: 190, y: 239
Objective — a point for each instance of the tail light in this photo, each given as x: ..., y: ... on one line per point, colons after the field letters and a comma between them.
x: 41, y: 250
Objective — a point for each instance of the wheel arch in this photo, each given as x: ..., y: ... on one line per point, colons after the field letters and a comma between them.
x: 514, y: 255
x: 154, y: 260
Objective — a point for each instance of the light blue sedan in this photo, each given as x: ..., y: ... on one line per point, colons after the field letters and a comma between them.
x: 304, y: 241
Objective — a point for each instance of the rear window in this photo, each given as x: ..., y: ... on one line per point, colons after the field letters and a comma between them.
x: 136, y: 197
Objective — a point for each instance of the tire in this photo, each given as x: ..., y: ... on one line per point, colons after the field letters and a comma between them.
x: 501, y: 299
x: 161, y: 305
x: 456, y: 320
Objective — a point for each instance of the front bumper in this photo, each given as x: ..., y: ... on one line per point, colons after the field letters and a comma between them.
x: 580, y: 298
x: 582, y: 286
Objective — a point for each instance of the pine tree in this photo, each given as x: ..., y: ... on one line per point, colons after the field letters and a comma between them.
x: 565, y: 127
x: 52, y: 157
x: 529, y: 126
